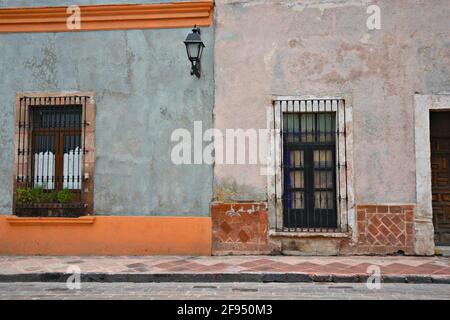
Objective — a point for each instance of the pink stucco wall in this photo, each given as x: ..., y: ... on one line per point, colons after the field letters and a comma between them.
x: 321, y: 47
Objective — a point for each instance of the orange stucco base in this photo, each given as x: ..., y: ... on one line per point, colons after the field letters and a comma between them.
x: 105, y: 235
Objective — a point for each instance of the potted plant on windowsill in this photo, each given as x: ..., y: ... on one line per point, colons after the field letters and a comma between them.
x: 39, y: 202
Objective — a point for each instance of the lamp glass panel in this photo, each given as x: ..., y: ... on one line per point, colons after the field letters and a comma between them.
x: 200, y: 50
x: 193, y: 50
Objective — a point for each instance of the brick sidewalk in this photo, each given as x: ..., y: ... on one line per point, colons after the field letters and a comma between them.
x: 226, y: 269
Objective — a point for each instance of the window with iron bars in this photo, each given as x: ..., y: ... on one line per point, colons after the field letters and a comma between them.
x: 313, y: 185
x: 50, y: 156
x: 309, y: 152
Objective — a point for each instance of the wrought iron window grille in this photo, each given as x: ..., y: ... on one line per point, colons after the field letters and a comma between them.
x: 51, y: 151
x: 314, y: 195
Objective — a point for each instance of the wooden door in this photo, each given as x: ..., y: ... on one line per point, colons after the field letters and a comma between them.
x: 440, y: 167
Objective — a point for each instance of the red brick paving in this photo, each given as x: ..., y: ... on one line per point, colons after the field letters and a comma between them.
x: 356, y: 265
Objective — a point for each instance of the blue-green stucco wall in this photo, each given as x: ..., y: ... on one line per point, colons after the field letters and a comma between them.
x: 143, y: 92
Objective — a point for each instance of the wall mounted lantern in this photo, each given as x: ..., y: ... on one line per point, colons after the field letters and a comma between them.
x: 194, y: 48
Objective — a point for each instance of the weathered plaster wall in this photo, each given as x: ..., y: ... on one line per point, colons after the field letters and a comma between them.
x: 143, y: 92
x: 323, y: 47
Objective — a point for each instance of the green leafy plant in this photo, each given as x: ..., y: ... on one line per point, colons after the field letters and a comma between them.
x: 64, y: 196
x: 39, y: 195
x: 49, y: 197
x: 24, y: 195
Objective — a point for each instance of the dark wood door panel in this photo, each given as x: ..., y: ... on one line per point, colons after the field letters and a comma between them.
x: 440, y: 172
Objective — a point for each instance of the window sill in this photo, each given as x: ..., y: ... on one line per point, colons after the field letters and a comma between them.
x: 273, y: 233
x: 39, y: 221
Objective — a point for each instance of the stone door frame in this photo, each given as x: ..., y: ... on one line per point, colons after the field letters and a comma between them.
x: 423, y: 221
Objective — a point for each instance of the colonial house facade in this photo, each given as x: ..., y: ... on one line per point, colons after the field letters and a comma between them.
x: 291, y: 127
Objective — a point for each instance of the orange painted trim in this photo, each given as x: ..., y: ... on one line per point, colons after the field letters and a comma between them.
x: 108, y: 235
x: 49, y: 221
x: 108, y: 17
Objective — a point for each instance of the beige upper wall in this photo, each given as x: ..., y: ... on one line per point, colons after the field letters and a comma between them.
x: 318, y: 47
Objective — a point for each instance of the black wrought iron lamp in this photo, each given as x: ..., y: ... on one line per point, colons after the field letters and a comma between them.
x: 194, y: 48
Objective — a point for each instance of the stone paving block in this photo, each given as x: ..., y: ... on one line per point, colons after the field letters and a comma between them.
x: 224, y: 269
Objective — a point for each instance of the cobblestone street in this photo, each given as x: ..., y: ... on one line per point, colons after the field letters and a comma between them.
x: 226, y: 291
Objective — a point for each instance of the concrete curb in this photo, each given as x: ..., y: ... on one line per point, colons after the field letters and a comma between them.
x: 219, y: 277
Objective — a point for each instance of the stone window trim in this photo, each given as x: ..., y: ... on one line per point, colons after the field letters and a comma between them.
x: 309, y: 235
x: 89, y: 139
x: 423, y: 221
x: 274, y: 181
